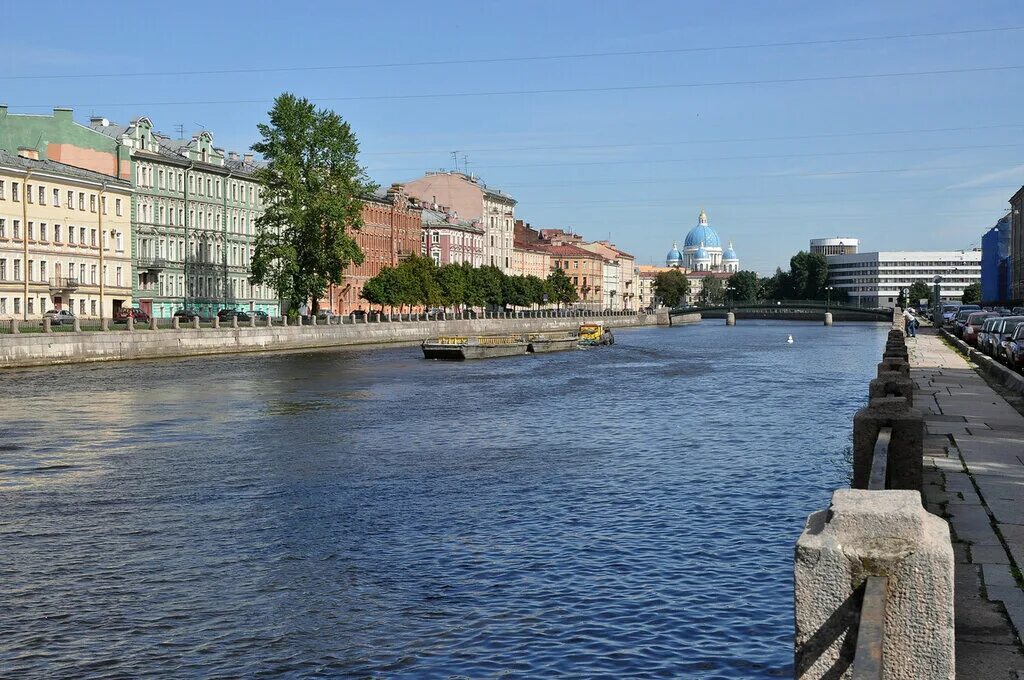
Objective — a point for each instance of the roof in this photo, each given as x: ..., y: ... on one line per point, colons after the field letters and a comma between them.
x: 439, y: 219
x: 14, y: 160
x: 573, y: 251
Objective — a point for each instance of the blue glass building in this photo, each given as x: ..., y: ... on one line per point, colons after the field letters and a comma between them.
x: 995, y: 269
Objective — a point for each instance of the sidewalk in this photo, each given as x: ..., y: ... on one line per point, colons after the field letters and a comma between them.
x: 974, y: 477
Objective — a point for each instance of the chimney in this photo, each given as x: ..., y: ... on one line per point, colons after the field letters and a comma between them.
x: 98, y: 121
x: 232, y: 155
x: 247, y: 158
x: 28, y: 152
x: 63, y: 114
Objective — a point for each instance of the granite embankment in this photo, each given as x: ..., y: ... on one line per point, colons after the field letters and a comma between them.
x: 35, y: 349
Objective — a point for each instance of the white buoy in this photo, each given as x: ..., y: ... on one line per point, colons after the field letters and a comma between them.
x: 789, y: 340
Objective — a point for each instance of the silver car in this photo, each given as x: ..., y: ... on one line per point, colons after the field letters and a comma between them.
x: 58, y: 317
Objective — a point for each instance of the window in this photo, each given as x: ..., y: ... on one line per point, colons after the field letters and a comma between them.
x: 118, y: 279
x: 117, y: 207
x: 81, y: 273
x: 103, y: 204
x: 81, y: 200
x: 92, y: 274
x: 3, y: 269
x: 42, y: 195
x: 56, y: 233
x: 42, y: 270
x: 92, y: 239
x: 31, y: 307
x: 17, y: 305
x: 119, y: 241
x: 31, y: 231
x: 81, y: 306
x: 31, y: 270
x: 92, y: 307
x: 42, y: 231
x: 17, y: 230
x: 71, y: 200
x: 28, y: 192
x: 3, y: 305
x: 3, y: 190
x: 3, y: 228
x: 14, y: 192
x: 208, y: 185
x: 71, y: 235
x: 92, y: 202
x: 56, y: 198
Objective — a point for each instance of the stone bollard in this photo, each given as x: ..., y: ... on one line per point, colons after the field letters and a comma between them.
x: 252, y: 321
x: 874, y: 533
x: 152, y: 324
x: 906, y: 447
x: 284, y: 320
x: 894, y: 364
x: 896, y: 351
x: 234, y: 321
x: 216, y: 322
x: 175, y: 323
x: 312, y: 320
x: 891, y: 384
x: 129, y: 324
x: 270, y: 321
x: 896, y: 334
x: 104, y: 324
x: 730, y: 319
x: 47, y: 325
x: 15, y: 327
x: 77, y: 325
x: 195, y: 322
x: 828, y: 318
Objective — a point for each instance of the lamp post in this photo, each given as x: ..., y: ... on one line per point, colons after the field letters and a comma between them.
x: 728, y: 295
x: 828, y: 296
x: 937, y: 304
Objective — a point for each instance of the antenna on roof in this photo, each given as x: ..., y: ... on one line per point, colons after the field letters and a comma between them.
x: 455, y: 157
x: 180, y: 129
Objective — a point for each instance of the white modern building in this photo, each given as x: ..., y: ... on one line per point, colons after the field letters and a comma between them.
x: 876, y: 279
x: 835, y: 246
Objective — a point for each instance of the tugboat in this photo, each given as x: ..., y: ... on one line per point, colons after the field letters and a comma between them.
x: 460, y: 348
x: 593, y: 334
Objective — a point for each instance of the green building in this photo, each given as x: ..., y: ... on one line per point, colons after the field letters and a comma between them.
x: 193, y: 211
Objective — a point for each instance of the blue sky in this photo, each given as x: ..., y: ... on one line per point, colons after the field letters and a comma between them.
x: 774, y: 164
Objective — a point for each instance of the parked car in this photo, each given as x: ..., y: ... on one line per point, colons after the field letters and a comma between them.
x: 1008, y: 327
x: 259, y: 315
x: 125, y: 313
x: 1015, y: 349
x: 973, y: 324
x: 189, y: 314
x: 227, y: 314
x: 985, y: 335
x: 326, y: 315
x: 949, y: 313
x: 960, y: 320
x: 58, y: 317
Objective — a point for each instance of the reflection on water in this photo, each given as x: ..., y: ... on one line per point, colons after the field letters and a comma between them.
x: 625, y: 511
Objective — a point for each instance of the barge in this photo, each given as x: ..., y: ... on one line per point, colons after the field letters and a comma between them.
x: 552, y: 342
x: 461, y: 348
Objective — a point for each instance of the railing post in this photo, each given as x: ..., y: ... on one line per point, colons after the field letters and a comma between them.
x: 130, y: 323
x: 874, y: 534
x: 906, y: 449
x: 195, y: 322
x: 175, y: 323
x: 77, y: 325
x: 152, y: 323
x: 270, y: 321
x: 234, y: 321
x: 216, y: 322
x: 284, y: 319
x: 252, y: 321
x: 47, y: 326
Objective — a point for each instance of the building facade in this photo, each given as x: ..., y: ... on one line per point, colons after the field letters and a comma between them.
x: 470, y: 199
x: 446, y: 239
x: 585, y: 269
x: 995, y: 261
x: 834, y: 246
x: 391, y: 232
x: 876, y: 279
x: 65, y: 239
x: 1016, y: 261
x: 621, y: 275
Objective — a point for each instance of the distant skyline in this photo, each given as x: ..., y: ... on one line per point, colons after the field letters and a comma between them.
x: 785, y: 122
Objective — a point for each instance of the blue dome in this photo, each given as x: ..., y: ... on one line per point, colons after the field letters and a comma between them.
x: 674, y: 256
x: 729, y: 254
x: 701, y: 254
x: 702, y: 234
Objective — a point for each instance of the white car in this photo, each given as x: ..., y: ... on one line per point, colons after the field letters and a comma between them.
x: 58, y: 317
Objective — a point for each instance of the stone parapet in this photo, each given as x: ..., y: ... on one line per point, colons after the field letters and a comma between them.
x: 906, y: 447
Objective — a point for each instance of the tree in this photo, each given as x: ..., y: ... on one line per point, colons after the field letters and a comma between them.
x: 672, y: 287
x: 770, y: 288
x: 419, y: 282
x: 451, y: 280
x: 311, y: 189
x: 383, y: 289
x: 712, y: 291
x: 745, y: 285
x: 489, y: 283
x: 561, y: 289
x: 972, y: 294
x: 919, y: 290
x: 536, y: 290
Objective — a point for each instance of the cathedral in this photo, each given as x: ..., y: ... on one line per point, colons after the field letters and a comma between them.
x: 702, y: 251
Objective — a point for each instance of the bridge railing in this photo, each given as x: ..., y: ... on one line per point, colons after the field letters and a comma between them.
x: 874, y: 572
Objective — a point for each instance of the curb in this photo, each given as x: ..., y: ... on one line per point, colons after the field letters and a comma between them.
x: 1006, y: 377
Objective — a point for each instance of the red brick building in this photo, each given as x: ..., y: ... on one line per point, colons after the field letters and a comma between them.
x: 390, y: 233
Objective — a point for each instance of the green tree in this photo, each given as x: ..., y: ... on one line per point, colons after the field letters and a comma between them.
x: 419, y: 282
x: 712, y: 291
x: 745, y: 286
x: 561, y: 289
x: 672, y: 287
x: 489, y: 282
x: 536, y: 289
x: 770, y: 288
x: 383, y: 289
x: 919, y: 290
x: 312, y: 186
x: 451, y: 281
x: 972, y: 294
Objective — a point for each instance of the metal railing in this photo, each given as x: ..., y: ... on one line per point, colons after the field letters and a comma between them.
x: 867, y: 657
x: 63, y: 283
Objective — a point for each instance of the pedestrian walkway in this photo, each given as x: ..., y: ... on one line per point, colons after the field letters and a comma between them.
x: 974, y: 477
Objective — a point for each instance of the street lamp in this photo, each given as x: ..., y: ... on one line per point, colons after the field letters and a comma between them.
x: 728, y: 294
x: 937, y: 305
x: 828, y: 298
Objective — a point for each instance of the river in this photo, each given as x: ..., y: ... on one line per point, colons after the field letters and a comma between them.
x: 627, y: 511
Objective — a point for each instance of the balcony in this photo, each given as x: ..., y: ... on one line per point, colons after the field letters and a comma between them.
x: 152, y: 264
x: 63, y: 285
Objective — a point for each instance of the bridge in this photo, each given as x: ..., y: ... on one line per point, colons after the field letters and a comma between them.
x: 785, y: 310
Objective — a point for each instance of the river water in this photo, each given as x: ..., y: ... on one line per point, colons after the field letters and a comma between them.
x: 627, y: 511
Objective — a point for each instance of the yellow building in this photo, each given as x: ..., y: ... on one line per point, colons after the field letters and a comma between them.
x: 53, y: 218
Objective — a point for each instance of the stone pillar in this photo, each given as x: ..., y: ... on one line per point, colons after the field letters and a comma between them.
x: 730, y: 319
x: 195, y: 322
x: 130, y: 323
x: 874, y: 533
x: 270, y: 321
x: 284, y: 319
x: 152, y: 323
x: 104, y: 324
x: 15, y: 327
x: 828, y: 318
x: 252, y: 321
x: 312, y: 320
x: 234, y: 321
x: 891, y: 384
x: 216, y: 322
x: 175, y: 323
x: 906, y: 447
x: 894, y: 364
x: 47, y: 326
x: 77, y: 325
